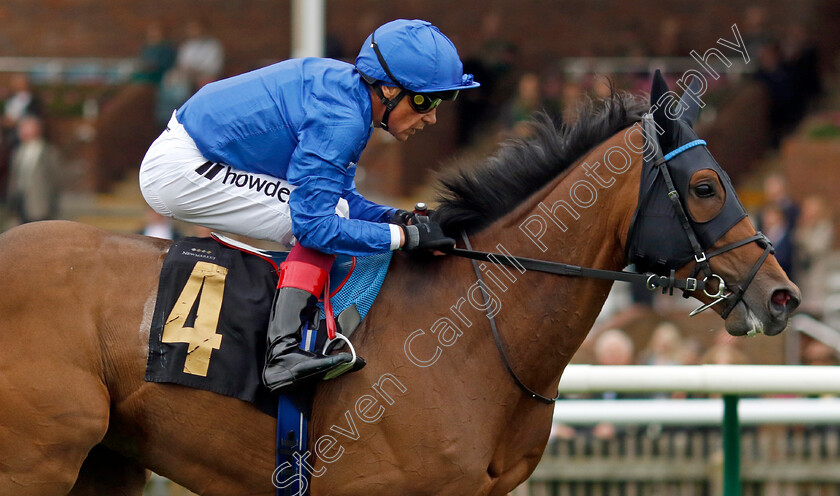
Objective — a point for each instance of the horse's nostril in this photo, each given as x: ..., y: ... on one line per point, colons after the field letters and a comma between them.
x: 783, y: 300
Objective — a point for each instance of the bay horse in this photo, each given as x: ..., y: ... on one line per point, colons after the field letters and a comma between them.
x: 435, y: 411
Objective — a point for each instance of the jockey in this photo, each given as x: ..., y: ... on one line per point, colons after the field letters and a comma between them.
x: 271, y: 154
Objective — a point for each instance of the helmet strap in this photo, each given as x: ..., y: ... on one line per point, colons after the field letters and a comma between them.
x: 389, y: 103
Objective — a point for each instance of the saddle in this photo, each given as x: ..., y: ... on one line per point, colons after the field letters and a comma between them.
x: 214, y: 298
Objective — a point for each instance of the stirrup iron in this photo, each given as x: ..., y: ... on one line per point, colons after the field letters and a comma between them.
x: 344, y: 367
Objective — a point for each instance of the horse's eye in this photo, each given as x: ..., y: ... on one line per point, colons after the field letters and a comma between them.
x: 704, y: 191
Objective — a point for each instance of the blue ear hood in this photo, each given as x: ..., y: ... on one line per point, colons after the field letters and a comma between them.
x: 420, y: 57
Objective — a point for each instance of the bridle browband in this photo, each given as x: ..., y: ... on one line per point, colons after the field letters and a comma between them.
x: 650, y: 280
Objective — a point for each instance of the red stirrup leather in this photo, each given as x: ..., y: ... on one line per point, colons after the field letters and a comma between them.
x: 302, y: 275
x: 309, y: 270
x: 305, y: 269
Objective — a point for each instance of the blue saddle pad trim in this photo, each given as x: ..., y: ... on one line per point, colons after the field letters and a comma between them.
x: 362, y: 287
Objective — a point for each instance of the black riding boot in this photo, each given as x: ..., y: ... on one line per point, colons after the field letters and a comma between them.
x: 287, y: 364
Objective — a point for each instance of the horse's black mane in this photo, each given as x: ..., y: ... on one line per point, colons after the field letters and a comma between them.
x: 472, y: 198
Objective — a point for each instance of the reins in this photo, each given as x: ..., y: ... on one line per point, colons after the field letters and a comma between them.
x: 497, y: 338
x: 650, y: 280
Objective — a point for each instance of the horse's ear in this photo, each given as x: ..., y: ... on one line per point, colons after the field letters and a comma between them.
x: 664, y: 125
x: 691, y: 105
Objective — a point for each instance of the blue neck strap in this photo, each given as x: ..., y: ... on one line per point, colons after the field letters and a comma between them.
x: 690, y: 144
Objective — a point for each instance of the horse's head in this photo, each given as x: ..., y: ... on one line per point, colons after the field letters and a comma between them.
x: 703, y: 229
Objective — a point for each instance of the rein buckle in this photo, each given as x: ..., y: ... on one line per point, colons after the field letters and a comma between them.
x: 690, y: 284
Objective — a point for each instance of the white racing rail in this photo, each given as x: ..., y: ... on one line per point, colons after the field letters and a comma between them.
x: 729, y: 381
x: 742, y: 380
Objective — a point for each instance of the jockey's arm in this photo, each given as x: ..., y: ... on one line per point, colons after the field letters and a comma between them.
x: 361, y: 207
x: 318, y: 169
x: 316, y: 225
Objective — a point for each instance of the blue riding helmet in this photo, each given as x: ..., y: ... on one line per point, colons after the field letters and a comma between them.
x: 418, y: 55
x: 418, y: 59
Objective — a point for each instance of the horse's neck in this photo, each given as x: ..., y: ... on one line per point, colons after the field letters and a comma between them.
x: 544, y: 318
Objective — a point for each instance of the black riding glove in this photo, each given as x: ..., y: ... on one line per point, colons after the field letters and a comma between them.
x: 401, y: 217
x: 426, y: 236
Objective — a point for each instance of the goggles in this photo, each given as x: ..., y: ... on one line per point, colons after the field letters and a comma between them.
x: 423, y: 103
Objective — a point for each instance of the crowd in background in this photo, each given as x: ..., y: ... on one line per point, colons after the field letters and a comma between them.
x: 32, y: 172
x: 786, y: 64
x: 667, y: 345
x: 29, y: 163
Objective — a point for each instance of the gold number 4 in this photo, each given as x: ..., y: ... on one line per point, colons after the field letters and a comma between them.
x: 207, y: 284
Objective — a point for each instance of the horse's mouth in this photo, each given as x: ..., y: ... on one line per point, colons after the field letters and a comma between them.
x: 749, y: 320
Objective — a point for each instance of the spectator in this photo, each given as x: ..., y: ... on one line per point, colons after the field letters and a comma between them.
x: 497, y: 55
x: 785, y: 111
x: 160, y: 226
x: 690, y: 352
x: 333, y: 48
x: 199, y: 61
x: 670, y: 42
x: 802, y: 60
x: 174, y: 90
x: 602, y: 86
x: 22, y: 102
x: 612, y: 347
x: 33, y: 186
x: 754, y: 30
x: 156, y: 57
x: 812, y: 244
x: 776, y: 193
x: 778, y: 220
x: 522, y: 107
x: 664, y: 347
x: 779, y: 233
x: 492, y: 64
x: 201, y: 57
x: 725, y: 351
x: 573, y: 96
x: 552, y: 94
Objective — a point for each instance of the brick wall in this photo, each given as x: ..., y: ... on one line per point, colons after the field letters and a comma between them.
x: 547, y: 29
x: 256, y: 31
x: 252, y: 30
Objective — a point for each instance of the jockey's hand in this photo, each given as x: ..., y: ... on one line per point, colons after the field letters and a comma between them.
x: 405, y: 218
x: 401, y: 217
x: 426, y: 236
